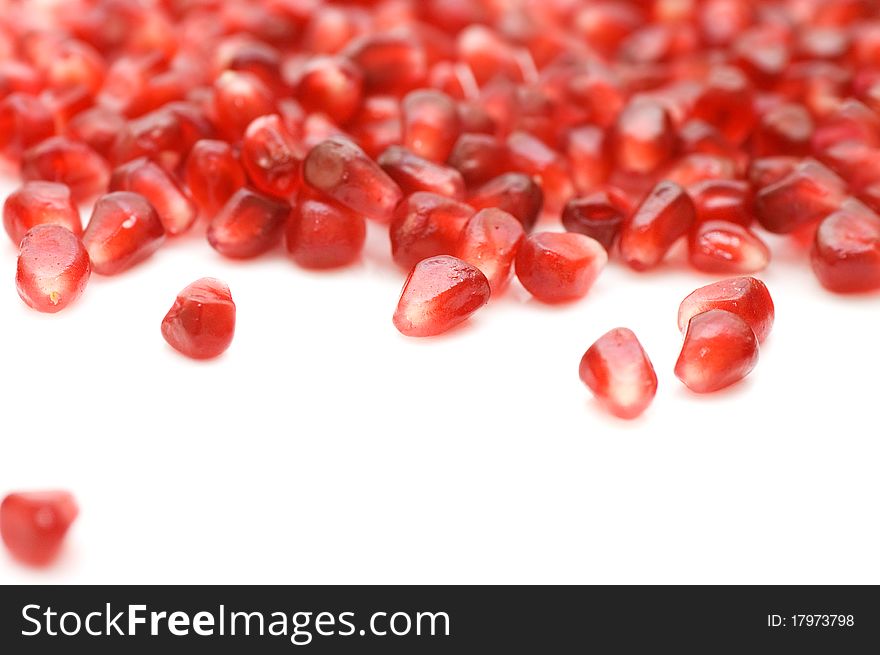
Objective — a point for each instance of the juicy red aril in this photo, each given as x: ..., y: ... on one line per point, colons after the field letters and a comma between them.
x: 723, y: 247
x: 666, y: 214
x: 618, y: 372
x: 321, y: 234
x: 745, y: 296
x: 430, y: 124
x: 268, y: 154
x: 343, y: 172
x: 413, y: 173
x: 719, y: 350
x: 530, y: 155
x: 559, y: 267
x: 643, y: 137
x: 176, y: 211
x: 600, y: 215
x: 24, y: 122
x: 39, y: 203
x: 330, y: 85
x: 515, y: 193
x: 248, y: 225
x: 53, y: 268
x: 72, y: 163
x: 726, y: 102
x: 425, y: 225
x: 390, y: 63
x: 213, y: 173
x: 490, y: 241
x: 124, y: 230
x: 376, y: 125
x: 201, y: 323
x: 33, y: 524
x: 846, y: 251
x: 97, y: 127
x: 440, y: 293
x: 806, y: 195
x: 587, y: 159
x: 239, y: 98
x: 784, y: 130
x: 478, y: 157
x: 723, y: 200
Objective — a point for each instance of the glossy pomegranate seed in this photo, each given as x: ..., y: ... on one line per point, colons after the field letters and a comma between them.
x: 39, y: 203
x: 723, y: 247
x: 559, y: 267
x: 321, y: 234
x: 784, y: 130
x: 377, y: 124
x: 719, y: 350
x: 425, y: 225
x: 239, y: 98
x: 764, y: 171
x: 850, y: 121
x: 730, y: 201
x: 487, y: 54
x: 53, y: 268
x: 806, y: 195
x: 490, y: 241
x: 72, y: 163
x: 33, y: 524
x: 666, y: 214
x: 643, y: 138
x: 587, y: 159
x: 213, y: 173
x: 24, y: 121
x: 248, y: 225
x: 330, y: 85
x: 745, y: 296
x: 530, y: 155
x: 391, y: 63
x: 342, y: 171
x: 176, y: 211
x: 846, y: 251
x: 617, y: 370
x: 440, y: 293
x: 201, y: 322
x: 413, y: 173
x: 516, y: 193
x: 98, y: 128
x: 600, y: 215
x: 124, y: 230
x: 478, y: 157
x: 430, y: 124
x: 727, y: 103
x: 268, y: 154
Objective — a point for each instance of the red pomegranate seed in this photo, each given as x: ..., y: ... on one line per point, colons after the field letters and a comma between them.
x: 643, y: 137
x: 24, y: 121
x: 201, y: 322
x: 248, y: 225
x: 697, y: 167
x: 430, y: 124
x: 723, y: 200
x: 559, y: 267
x: 176, y: 211
x: 440, y: 293
x: 765, y: 171
x: 487, y: 54
x: 617, y: 370
x: 268, y: 154
x: 666, y: 214
x: 723, y: 247
x: 784, y: 130
x: 744, y: 296
x: 478, y: 157
x: 323, y: 235
x: 600, y: 215
x: 98, y: 128
x: 719, y: 350
x: 123, y: 231
x: 239, y: 98
x: 587, y: 159
x: 846, y: 251
x: 342, y: 171
x: 332, y: 86
x: 413, y: 173
x: 33, y: 524
x: 806, y: 195
x: 850, y: 121
x: 39, y: 203
x: 515, y: 193
x: 490, y: 241
x: 72, y: 163
x: 391, y: 63
x: 377, y: 126
x: 530, y: 155
x: 213, y: 174
x: 425, y: 225
x: 53, y: 268
x: 727, y: 103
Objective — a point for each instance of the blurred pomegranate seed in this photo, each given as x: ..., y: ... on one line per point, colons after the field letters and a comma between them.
x: 39, y: 203
x: 727, y: 103
x: 587, y: 158
x: 413, y: 173
x: 846, y: 251
x: 268, y: 155
x: 201, y: 323
x: 723, y: 200
x: 123, y: 231
x: 33, y: 524
x: 248, y: 225
x: 600, y: 215
x: 176, y: 211
x: 806, y: 195
x: 723, y: 247
x: 478, y: 157
x: 784, y: 130
x: 25, y: 121
x: 719, y: 350
x: 425, y: 225
x: 239, y: 98
x: 663, y: 217
x: 323, y: 235
x: 643, y: 137
x: 559, y: 267
x: 531, y: 156
x: 391, y: 63
x: 430, y: 124
x: 515, y: 193
x: 330, y: 85
x: 59, y: 159
x: 213, y: 173
x: 98, y: 128
x: 53, y: 268
x: 490, y: 241
x: 745, y: 296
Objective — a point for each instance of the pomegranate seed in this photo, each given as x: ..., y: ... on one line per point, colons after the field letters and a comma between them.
x: 531, y: 156
x: 600, y: 215
x: 478, y: 157
x: 515, y: 193
x: 391, y: 63
x: 268, y: 156
x: 330, y: 85
x: 643, y: 137
x: 239, y: 98
x: 425, y: 225
x: 53, y: 268
x: 784, y: 130
x: 59, y: 159
x: 723, y: 200
x: 413, y: 173
x: 697, y: 167
x: 323, y: 235
x: 213, y: 174
x: 723, y: 247
x: 744, y: 296
x: 727, y: 103
x: 342, y: 171
x: 98, y: 128
x: 617, y: 370
x: 377, y: 125
x: 33, y: 524
x: 586, y: 157
x: 490, y: 241
x: 430, y: 124
x: 201, y: 322
x: 666, y: 214
x: 806, y: 195
x: 440, y: 293
x: 24, y: 122
x: 487, y: 54
x: 39, y: 203
x: 850, y: 121
x: 248, y: 225
x: 176, y: 211
x: 846, y: 252
x: 719, y: 350
x: 559, y: 267
x: 123, y: 231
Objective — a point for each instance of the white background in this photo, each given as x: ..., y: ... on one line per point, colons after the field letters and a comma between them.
x: 324, y: 447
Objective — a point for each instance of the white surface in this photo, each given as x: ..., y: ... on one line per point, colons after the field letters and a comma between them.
x: 326, y: 448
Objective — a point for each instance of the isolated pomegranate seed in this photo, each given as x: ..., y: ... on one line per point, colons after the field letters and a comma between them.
x: 33, y: 524
x: 430, y: 123
x: 413, y: 173
x: 478, y: 157
x: 213, y: 173
x: 425, y: 225
x: 24, y: 121
x: 745, y: 296
x: 600, y: 215
x: 123, y: 231
x: 330, y: 85
x: 201, y: 323
x: 268, y: 155
x: 440, y: 293
x: 53, y: 268
x: 39, y: 203
x: 719, y: 350
x: 72, y: 163
x: 666, y: 214
x: 724, y: 247
x: 490, y: 241
x: 806, y: 195
x: 730, y: 201
x: 176, y: 211
x: 342, y: 171
x: 515, y: 193
x: 239, y: 98
x: 559, y: 267
x: 619, y: 373
x: 248, y: 225
x: 321, y: 234
x: 846, y: 251
x: 643, y: 137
